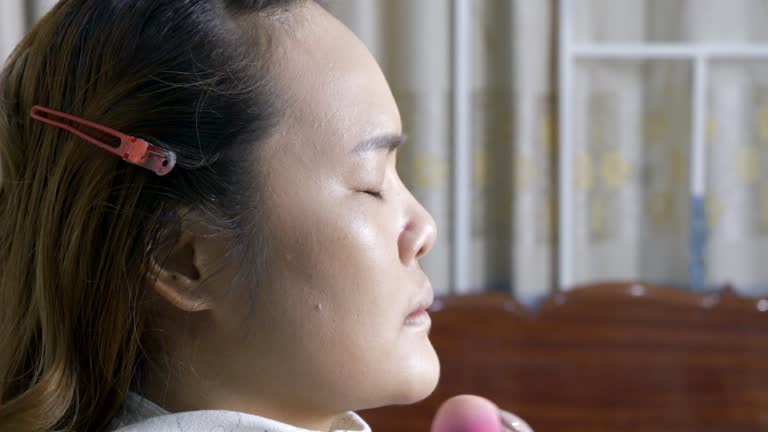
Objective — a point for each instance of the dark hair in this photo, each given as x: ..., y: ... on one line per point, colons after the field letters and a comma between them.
x: 79, y: 226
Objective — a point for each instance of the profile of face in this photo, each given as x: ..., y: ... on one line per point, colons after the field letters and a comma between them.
x: 331, y: 326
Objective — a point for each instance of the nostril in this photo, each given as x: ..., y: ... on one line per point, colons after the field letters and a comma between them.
x: 410, y: 244
x: 422, y: 238
x: 417, y: 236
x: 423, y: 248
x: 430, y: 237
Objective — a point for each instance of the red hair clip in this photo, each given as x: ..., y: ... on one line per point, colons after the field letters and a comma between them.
x: 131, y: 149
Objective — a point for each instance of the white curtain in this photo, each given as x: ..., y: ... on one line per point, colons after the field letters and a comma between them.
x: 15, y: 17
x: 632, y: 136
x: 636, y: 137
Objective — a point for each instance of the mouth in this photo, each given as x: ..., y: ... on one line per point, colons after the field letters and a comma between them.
x: 418, y: 316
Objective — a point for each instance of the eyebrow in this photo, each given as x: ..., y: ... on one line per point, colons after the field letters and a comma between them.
x: 388, y: 142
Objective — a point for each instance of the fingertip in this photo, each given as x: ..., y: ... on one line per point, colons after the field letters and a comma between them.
x: 467, y: 413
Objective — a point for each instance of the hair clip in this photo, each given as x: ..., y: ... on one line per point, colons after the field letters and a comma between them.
x: 133, y: 150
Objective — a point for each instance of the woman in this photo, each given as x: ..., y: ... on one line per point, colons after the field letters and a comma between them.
x: 268, y: 278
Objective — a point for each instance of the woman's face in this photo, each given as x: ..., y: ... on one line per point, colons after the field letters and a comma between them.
x: 327, y: 328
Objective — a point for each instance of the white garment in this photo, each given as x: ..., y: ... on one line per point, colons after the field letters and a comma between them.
x: 142, y: 415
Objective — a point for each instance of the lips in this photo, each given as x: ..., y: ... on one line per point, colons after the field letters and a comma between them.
x: 418, y: 319
x: 418, y: 311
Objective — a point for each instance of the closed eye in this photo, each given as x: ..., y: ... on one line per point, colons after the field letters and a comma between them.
x: 374, y: 194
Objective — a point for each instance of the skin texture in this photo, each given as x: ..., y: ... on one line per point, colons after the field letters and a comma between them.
x: 324, y: 331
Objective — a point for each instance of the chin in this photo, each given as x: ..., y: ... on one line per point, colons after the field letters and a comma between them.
x: 419, y: 379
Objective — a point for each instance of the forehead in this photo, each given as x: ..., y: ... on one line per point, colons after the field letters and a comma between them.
x: 336, y: 92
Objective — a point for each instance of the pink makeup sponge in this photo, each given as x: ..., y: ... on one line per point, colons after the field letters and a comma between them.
x: 467, y: 413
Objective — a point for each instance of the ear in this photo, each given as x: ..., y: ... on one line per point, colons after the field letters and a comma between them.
x: 182, y: 270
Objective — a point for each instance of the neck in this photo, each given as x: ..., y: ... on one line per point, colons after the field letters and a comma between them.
x: 189, y: 388
x: 195, y: 368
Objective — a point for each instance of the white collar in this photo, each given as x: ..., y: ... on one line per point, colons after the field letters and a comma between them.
x: 142, y: 415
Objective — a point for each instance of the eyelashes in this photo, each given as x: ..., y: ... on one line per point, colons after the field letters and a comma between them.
x: 375, y: 194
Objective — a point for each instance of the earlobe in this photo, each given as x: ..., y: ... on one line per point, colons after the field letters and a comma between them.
x: 178, y: 281
x: 182, y: 292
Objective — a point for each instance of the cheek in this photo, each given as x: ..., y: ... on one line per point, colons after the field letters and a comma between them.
x: 342, y: 258
x: 338, y: 295
x: 350, y: 264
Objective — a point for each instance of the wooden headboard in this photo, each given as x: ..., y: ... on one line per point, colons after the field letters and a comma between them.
x: 614, y: 357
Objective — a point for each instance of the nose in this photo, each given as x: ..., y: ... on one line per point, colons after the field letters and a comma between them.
x: 418, y: 235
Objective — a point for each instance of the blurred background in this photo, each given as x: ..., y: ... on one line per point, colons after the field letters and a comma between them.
x: 563, y: 143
